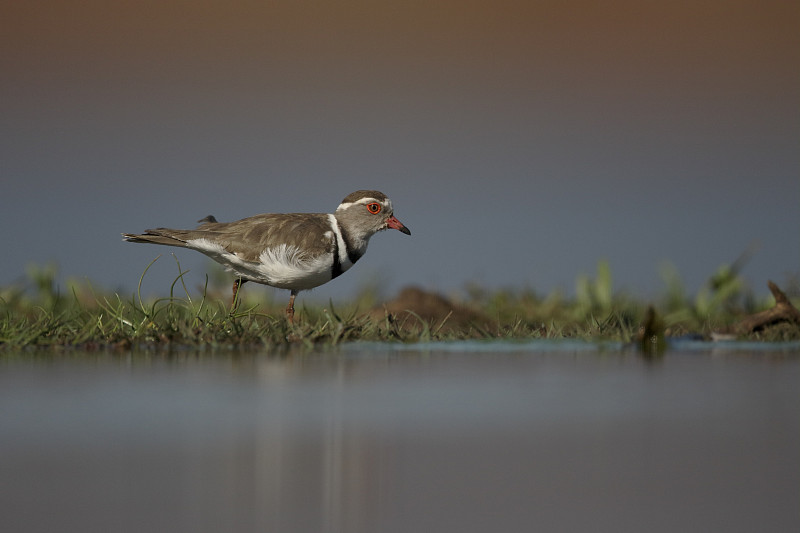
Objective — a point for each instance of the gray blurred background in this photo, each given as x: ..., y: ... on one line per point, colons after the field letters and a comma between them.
x: 521, y: 142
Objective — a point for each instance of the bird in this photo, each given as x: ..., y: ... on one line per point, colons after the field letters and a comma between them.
x: 294, y: 251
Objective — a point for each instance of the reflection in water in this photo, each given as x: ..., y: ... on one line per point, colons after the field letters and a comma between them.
x: 368, y: 439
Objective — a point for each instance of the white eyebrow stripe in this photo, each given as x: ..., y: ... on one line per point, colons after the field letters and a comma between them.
x: 365, y: 201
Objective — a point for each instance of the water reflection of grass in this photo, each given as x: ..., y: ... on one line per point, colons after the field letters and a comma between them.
x: 37, y: 313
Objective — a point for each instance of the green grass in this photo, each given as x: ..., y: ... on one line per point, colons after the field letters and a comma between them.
x: 37, y: 314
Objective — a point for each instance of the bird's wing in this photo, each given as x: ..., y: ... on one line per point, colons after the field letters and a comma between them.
x: 310, y: 233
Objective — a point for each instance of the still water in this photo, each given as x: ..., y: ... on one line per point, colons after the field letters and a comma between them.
x: 465, y: 437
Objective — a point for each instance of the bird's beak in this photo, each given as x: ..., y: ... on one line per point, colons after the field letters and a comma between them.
x: 393, y: 223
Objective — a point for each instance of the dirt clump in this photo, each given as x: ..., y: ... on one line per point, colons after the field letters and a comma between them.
x: 439, y: 312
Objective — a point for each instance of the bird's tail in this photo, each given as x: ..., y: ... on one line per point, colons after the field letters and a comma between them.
x: 155, y: 236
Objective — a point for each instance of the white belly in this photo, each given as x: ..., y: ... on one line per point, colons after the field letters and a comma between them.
x: 285, y: 267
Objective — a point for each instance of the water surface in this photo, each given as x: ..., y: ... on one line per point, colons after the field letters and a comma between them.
x: 376, y: 438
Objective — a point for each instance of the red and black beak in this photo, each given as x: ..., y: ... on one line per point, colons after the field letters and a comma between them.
x: 393, y: 223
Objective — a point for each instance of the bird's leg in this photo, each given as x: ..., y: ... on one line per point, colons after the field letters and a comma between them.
x: 290, y: 307
x: 238, y: 282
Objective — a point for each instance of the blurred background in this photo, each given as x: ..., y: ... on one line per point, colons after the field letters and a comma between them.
x: 521, y: 142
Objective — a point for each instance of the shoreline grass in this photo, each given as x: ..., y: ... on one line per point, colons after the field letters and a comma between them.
x: 37, y: 315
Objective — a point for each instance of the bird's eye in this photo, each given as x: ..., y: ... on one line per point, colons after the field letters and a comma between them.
x: 374, y: 208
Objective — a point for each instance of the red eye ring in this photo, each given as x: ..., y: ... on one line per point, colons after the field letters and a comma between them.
x: 374, y: 208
